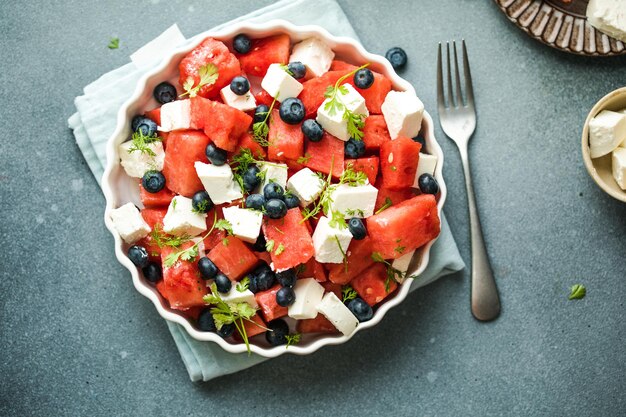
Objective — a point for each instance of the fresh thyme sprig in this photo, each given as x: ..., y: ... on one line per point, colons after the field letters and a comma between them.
x: 192, y: 252
x: 334, y: 105
x: 208, y: 75
x: 226, y: 313
x: 261, y: 129
x: 141, y: 143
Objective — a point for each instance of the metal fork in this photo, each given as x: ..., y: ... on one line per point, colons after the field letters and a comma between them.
x: 457, y: 117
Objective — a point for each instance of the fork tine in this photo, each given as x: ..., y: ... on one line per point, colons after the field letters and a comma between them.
x: 469, y: 89
x: 457, y: 78
x: 451, y: 102
x: 441, y: 104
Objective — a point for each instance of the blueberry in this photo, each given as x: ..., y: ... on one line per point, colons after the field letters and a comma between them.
x: 278, y: 330
x: 201, y: 202
x: 263, y: 277
x: 222, y: 283
x: 273, y: 190
x: 259, y: 245
x: 207, y: 268
x: 260, y: 113
x: 152, y: 272
x: 240, y: 85
x: 397, y: 57
x: 287, y: 278
x: 138, y: 255
x: 357, y: 228
x: 420, y: 139
x: 216, y: 155
x: 291, y: 201
x: 148, y: 127
x: 361, y: 310
x: 164, y: 92
x: 364, y: 78
x: 297, y: 69
x: 255, y: 201
x: 242, y: 43
x: 251, y: 178
x: 354, y: 148
x: 227, y: 330
x: 275, y: 208
x: 428, y: 184
x: 153, y: 181
x: 312, y: 130
x: 285, y: 296
x: 292, y: 111
x: 205, y: 321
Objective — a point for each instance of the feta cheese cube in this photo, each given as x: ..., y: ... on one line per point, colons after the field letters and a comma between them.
x: 279, y: 84
x: 305, y: 185
x: 402, y: 264
x: 246, y: 223
x: 606, y: 131
x: 129, y: 223
x: 609, y: 16
x: 236, y: 296
x: 175, y: 115
x: 338, y: 314
x: 314, y: 54
x: 403, y: 113
x: 335, y: 124
x: 218, y: 182
x: 309, y: 293
x: 244, y: 103
x: 137, y: 163
x: 619, y: 167
x: 273, y: 172
x: 329, y: 242
x: 181, y: 220
x: 358, y: 201
x: 426, y: 165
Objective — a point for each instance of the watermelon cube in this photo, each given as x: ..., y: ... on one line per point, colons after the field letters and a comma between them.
x: 217, y: 236
x: 370, y: 284
x: 181, y: 285
x: 292, y: 242
x: 152, y: 200
x: 269, y: 308
x: 184, y: 148
x: 214, y: 52
x: 359, y: 257
x: 375, y: 132
x: 404, y: 227
x: 393, y: 196
x: 398, y: 162
x: 319, y: 324
x: 152, y: 216
x: 313, y: 269
x: 246, y: 141
x: 334, y: 288
x: 233, y: 258
x: 252, y: 329
x: 369, y: 166
x: 154, y: 115
x: 285, y: 141
x: 338, y: 65
x: 264, y: 52
x: 374, y: 95
x: 223, y: 124
x: 263, y: 97
x: 325, y: 155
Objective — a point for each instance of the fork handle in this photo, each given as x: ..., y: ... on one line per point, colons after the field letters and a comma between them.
x: 484, y: 293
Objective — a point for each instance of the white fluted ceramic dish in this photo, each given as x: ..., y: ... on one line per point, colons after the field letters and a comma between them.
x: 561, y: 25
x: 119, y: 188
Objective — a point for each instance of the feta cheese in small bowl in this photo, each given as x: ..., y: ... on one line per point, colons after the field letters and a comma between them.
x: 198, y: 206
x: 604, y: 143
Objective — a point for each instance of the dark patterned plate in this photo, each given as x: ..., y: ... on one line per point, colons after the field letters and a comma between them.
x: 561, y: 25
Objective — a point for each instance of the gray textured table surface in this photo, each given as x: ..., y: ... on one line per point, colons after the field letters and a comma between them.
x: 77, y: 339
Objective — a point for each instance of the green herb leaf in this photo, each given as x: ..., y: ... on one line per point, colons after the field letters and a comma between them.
x: 269, y: 245
x: 304, y: 159
x: 343, y: 254
x: 577, y: 292
x: 337, y: 220
x: 293, y: 339
x: 192, y: 252
x: 208, y: 75
x: 114, y: 43
x: 334, y: 105
x: 385, y: 206
x: 280, y: 249
x: 244, y: 284
x: 393, y: 274
x: 261, y: 129
x: 163, y: 239
x: 348, y: 293
x: 141, y: 143
x: 286, y: 69
x: 223, y: 224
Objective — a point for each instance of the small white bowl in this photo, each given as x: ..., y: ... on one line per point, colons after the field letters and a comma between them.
x: 119, y: 188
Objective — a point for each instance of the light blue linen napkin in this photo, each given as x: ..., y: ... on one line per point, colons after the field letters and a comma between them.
x: 94, y: 122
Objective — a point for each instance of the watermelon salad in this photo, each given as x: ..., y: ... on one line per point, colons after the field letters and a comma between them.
x: 284, y: 191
